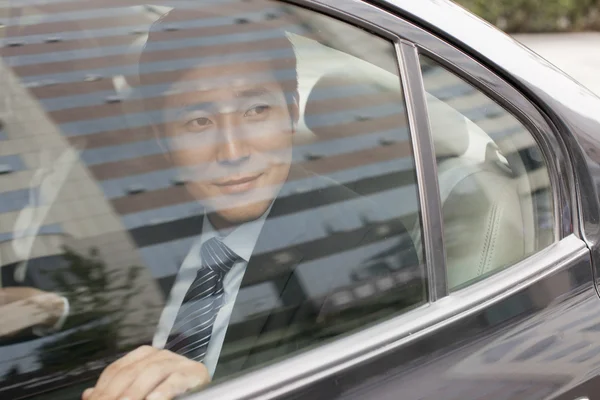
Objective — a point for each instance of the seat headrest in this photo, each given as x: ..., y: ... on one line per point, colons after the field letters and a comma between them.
x: 344, y: 97
x: 449, y: 128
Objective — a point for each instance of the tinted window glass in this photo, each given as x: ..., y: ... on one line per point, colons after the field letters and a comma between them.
x: 231, y: 181
x: 494, y: 182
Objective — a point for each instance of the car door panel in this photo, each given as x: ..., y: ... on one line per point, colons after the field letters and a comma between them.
x: 517, y: 347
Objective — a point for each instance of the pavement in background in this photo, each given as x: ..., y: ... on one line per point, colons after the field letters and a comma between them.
x: 578, y: 54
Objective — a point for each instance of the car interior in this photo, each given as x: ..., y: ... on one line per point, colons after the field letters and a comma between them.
x: 488, y: 223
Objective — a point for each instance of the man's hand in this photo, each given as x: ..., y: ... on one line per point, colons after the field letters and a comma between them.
x: 148, y: 374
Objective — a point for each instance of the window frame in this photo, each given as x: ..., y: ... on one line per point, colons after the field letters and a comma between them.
x: 541, y: 129
x: 367, y: 345
x: 426, y: 170
x: 522, y: 109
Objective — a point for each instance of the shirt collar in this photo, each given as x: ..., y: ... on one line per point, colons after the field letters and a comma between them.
x: 242, y: 239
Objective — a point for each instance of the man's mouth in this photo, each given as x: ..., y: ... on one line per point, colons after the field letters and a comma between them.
x: 239, y: 184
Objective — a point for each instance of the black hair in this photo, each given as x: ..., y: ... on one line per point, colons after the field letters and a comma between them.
x: 256, y: 18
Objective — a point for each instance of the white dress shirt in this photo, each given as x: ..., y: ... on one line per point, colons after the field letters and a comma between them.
x: 242, y: 241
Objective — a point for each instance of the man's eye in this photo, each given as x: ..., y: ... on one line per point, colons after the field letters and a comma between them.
x: 257, y: 110
x: 198, y: 123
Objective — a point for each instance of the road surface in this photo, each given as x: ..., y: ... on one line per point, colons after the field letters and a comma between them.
x: 578, y: 54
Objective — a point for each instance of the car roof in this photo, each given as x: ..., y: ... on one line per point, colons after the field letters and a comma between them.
x: 575, y: 105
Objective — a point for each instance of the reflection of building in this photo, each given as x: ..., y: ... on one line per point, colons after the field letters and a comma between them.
x: 77, y: 168
x: 80, y: 129
x: 82, y: 167
x: 73, y: 123
x: 84, y: 89
x: 82, y: 85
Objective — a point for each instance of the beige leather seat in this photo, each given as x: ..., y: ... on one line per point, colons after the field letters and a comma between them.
x: 482, y: 213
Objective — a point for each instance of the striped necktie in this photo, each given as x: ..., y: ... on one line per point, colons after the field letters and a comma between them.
x: 193, y: 325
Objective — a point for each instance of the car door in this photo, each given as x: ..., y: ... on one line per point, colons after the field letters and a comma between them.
x: 420, y: 281
x: 520, y: 327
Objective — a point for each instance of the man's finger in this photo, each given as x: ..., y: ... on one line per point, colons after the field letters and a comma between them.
x: 178, y: 383
x: 113, y: 370
x: 151, y: 377
x: 87, y: 393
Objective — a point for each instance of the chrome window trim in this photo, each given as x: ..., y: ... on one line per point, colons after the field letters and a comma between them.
x: 326, y: 360
x: 426, y: 170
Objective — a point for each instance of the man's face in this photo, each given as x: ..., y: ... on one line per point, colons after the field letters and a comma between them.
x: 232, y: 138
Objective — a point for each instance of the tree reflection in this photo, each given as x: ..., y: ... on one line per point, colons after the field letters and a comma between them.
x: 99, y: 297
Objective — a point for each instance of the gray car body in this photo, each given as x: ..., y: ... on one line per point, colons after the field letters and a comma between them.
x: 468, y: 345
x: 531, y: 331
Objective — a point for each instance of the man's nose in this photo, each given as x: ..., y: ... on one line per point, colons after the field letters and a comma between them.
x: 232, y: 148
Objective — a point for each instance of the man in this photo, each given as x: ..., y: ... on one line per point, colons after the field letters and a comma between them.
x: 228, y: 124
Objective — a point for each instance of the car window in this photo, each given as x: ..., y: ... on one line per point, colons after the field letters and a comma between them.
x: 231, y: 181
x: 494, y: 184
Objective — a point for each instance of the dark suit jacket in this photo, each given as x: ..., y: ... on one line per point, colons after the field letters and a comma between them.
x: 289, y: 247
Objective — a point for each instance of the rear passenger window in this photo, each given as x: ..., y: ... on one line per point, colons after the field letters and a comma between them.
x: 493, y: 179
x: 142, y: 146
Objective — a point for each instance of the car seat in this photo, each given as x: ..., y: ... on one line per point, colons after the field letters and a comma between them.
x: 483, y: 222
